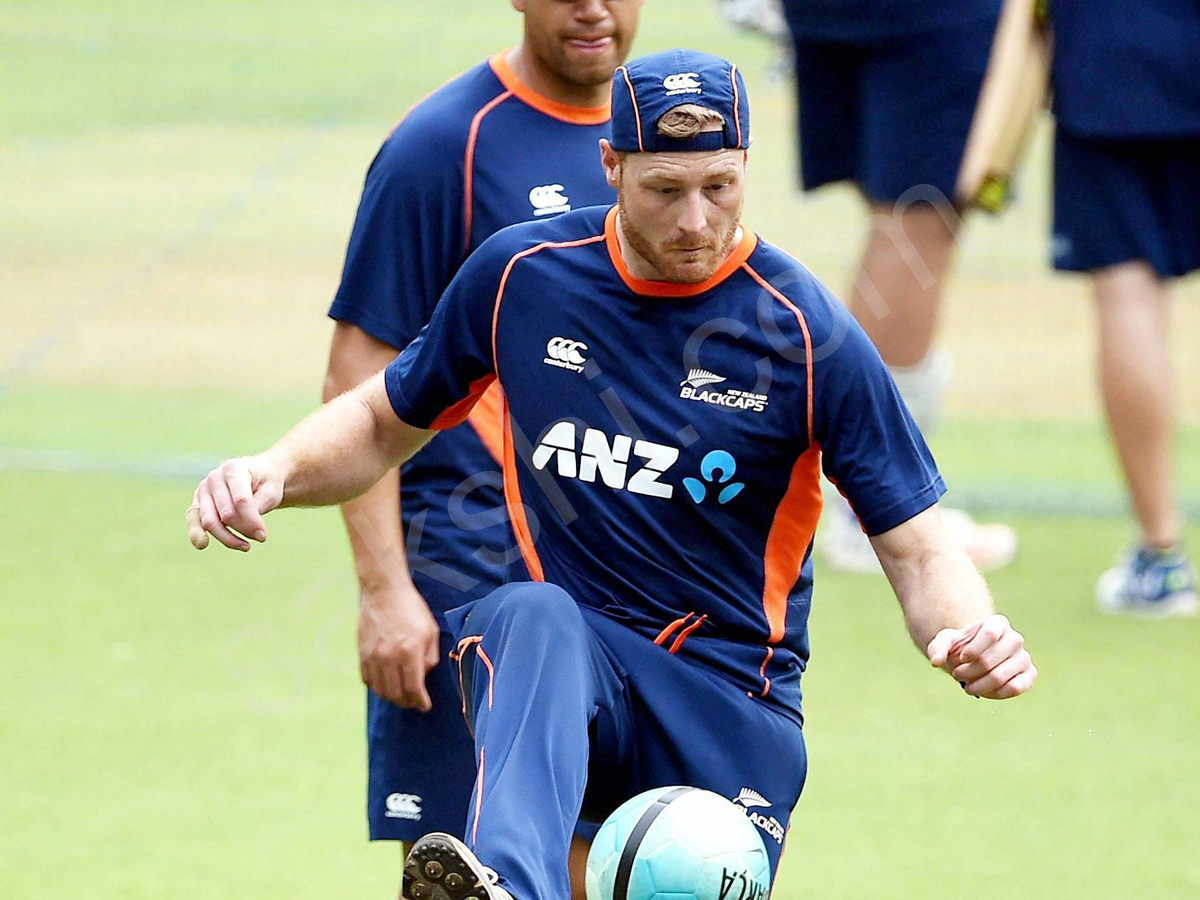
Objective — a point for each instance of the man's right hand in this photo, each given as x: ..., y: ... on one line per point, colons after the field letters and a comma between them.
x: 398, y: 643
x: 230, y: 502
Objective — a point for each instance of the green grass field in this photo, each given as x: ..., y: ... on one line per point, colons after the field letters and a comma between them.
x: 176, y: 186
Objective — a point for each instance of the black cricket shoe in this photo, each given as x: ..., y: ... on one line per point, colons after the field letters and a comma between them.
x: 441, y: 867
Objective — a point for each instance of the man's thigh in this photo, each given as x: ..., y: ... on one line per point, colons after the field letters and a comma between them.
x: 689, y: 726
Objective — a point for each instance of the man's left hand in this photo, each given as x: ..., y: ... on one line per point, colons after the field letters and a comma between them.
x: 988, y: 658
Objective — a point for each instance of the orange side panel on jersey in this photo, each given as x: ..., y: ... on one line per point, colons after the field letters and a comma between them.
x: 457, y: 414
x: 791, y: 532
x: 469, y: 166
x: 564, y: 112
x: 650, y: 288
x: 487, y: 420
x: 516, y: 509
x: 512, y: 490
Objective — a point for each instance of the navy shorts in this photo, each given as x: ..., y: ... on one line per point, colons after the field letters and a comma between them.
x: 890, y: 115
x: 1123, y: 199
x: 420, y: 766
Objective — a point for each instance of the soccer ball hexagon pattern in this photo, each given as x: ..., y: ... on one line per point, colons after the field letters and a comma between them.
x: 678, y: 844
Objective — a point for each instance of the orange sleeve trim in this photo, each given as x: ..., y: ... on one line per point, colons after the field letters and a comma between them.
x: 637, y: 113
x: 516, y: 508
x: 808, y: 360
x: 685, y: 634
x: 469, y: 166
x: 564, y: 112
x: 649, y: 288
x: 670, y: 630
x: 487, y: 419
x: 791, y: 533
x: 737, y: 119
x: 457, y: 414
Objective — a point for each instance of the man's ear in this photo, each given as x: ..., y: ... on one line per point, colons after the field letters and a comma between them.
x: 611, y: 160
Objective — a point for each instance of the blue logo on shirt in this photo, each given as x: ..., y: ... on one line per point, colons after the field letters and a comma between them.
x: 717, y: 465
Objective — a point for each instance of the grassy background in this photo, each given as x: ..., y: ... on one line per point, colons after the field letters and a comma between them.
x: 177, y: 182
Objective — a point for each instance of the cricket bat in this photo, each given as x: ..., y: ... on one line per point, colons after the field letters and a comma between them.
x: 1013, y: 94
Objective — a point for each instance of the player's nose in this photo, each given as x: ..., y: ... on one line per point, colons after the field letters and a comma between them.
x: 691, y: 218
x: 591, y: 11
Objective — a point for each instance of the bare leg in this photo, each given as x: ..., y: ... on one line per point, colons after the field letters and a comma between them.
x: 897, y: 291
x: 578, y: 864
x: 1138, y: 391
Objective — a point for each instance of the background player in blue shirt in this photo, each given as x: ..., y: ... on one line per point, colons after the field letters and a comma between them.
x: 1127, y: 210
x: 886, y: 90
x: 512, y: 139
x: 673, y: 387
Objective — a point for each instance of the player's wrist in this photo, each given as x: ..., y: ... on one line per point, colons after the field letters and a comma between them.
x: 378, y: 591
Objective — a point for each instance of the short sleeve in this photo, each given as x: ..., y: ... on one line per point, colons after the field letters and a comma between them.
x: 407, y: 240
x: 873, y: 451
x: 437, y: 379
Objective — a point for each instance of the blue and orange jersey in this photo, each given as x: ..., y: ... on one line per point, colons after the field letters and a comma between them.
x: 663, y: 443
x: 482, y: 152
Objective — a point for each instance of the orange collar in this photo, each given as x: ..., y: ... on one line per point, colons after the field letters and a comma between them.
x: 564, y: 112
x: 649, y: 288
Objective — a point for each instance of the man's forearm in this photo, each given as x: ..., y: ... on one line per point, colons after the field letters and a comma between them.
x: 377, y: 538
x: 343, y: 448
x: 935, y: 581
x: 945, y: 591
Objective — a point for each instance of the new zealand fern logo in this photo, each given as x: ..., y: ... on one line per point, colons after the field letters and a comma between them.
x: 698, y: 378
x: 748, y: 797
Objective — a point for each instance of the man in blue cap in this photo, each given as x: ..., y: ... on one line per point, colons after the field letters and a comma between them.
x: 673, y: 388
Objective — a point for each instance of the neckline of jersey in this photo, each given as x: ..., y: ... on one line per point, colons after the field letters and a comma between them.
x: 651, y: 288
x: 564, y: 112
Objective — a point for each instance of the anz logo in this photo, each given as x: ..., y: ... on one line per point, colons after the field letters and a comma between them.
x: 611, y: 462
x: 717, y: 466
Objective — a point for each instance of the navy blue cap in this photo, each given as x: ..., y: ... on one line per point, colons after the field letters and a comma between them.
x: 652, y: 85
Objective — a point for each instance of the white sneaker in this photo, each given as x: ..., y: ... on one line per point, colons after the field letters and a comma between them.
x: 1146, y: 582
x: 847, y: 549
x: 441, y: 867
